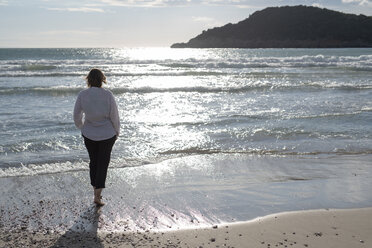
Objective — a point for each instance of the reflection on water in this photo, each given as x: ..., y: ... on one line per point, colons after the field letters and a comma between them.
x: 182, y: 102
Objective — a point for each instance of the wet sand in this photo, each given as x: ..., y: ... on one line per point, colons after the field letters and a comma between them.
x: 177, y: 202
x: 317, y: 228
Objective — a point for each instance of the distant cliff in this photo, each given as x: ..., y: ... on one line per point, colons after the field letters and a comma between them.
x: 289, y: 27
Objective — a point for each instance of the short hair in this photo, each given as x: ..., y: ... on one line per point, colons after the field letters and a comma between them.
x: 95, y: 78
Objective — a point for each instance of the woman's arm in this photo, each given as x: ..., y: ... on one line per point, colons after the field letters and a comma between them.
x: 114, y: 115
x: 78, y: 113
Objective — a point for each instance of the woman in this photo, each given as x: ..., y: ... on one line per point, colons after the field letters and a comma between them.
x: 100, y: 128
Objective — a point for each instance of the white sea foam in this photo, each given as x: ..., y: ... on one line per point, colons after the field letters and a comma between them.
x: 38, y: 169
x: 257, y: 85
x: 78, y: 67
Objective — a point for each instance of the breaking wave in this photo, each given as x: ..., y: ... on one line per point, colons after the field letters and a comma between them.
x: 61, y: 90
x: 173, y: 67
x: 71, y: 166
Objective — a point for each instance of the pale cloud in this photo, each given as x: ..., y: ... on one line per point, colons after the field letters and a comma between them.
x: 236, y: 3
x: 246, y: 6
x: 360, y: 2
x: 67, y: 32
x: 80, y: 9
x: 135, y: 3
x: 317, y: 5
x: 3, y: 3
x: 202, y: 19
x: 175, y: 3
x: 207, y: 22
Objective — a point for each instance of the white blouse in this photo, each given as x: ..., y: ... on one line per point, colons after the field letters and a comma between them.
x: 96, y: 114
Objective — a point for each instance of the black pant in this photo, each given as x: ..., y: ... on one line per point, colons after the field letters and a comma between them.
x: 99, y: 155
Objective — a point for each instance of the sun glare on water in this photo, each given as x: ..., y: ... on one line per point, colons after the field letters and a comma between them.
x: 157, y: 53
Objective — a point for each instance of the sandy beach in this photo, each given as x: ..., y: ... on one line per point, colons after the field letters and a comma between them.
x: 317, y: 228
x: 196, y: 201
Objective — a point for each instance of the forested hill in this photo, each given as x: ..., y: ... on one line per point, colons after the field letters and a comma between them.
x: 289, y: 27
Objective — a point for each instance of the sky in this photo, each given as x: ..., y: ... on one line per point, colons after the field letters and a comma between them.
x: 132, y: 23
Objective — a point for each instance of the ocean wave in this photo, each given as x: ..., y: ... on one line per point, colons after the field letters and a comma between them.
x: 294, y: 116
x: 329, y: 115
x: 83, y: 73
x: 71, y: 166
x: 53, y: 167
x: 196, y: 150
x: 44, y: 74
x: 38, y: 67
x: 363, y: 62
x: 39, y: 90
x: 81, y: 66
x: 74, y: 90
x: 38, y: 169
x: 64, y: 90
x: 358, y: 62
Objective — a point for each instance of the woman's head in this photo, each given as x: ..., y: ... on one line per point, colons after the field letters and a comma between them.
x: 95, y: 78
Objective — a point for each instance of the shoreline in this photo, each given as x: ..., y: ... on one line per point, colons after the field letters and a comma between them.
x: 342, y: 228
x: 331, y: 228
x: 186, y: 197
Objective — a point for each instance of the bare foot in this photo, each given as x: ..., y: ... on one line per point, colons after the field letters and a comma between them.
x: 98, y: 201
x: 98, y: 198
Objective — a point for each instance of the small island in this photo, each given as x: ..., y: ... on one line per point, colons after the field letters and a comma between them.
x: 289, y: 27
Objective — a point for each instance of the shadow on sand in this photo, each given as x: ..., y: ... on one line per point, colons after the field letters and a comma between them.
x: 84, y: 232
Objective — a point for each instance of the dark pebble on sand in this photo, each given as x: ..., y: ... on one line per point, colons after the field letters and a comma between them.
x: 215, y: 227
x: 213, y: 240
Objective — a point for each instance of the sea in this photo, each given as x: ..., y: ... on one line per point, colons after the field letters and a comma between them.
x: 175, y: 103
